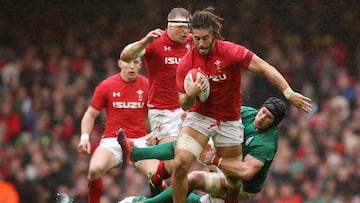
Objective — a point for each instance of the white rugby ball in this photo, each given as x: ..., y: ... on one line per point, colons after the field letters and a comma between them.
x: 191, y: 77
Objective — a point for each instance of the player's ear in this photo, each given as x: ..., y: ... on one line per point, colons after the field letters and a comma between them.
x: 121, y: 63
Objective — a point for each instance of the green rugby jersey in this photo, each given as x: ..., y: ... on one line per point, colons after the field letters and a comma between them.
x: 261, y: 145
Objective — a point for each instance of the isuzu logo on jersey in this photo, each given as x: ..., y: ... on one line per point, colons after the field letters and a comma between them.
x: 172, y: 60
x: 221, y: 76
x: 216, y: 78
x: 128, y: 105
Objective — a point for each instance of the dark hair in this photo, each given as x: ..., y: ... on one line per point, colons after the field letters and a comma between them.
x: 206, y: 19
x: 278, y: 109
x: 178, y: 12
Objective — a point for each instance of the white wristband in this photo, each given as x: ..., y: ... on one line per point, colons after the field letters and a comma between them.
x: 288, y: 92
x: 84, y: 136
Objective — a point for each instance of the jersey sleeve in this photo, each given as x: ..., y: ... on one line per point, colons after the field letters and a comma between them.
x: 241, y: 54
x: 263, y: 150
x: 151, y: 48
x: 99, y: 98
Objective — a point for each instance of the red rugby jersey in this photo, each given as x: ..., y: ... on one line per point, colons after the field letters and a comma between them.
x: 124, y: 103
x: 161, y: 59
x: 223, y: 68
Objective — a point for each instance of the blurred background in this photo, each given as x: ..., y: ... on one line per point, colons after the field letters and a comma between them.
x: 53, y: 54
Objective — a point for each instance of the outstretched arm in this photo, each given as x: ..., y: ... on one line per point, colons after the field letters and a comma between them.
x: 259, y: 66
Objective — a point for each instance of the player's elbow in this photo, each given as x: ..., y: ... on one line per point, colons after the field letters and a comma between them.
x: 245, y: 173
x: 247, y: 176
x: 125, y: 56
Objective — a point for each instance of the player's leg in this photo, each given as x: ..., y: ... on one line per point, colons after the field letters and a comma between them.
x: 132, y: 153
x: 163, y: 197
x: 165, y: 125
x: 210, y: 182
x: 233, y: 184
x: 156, y: 179
x: 105, y: 157
x: 188, y: 147
x: 228, y: 144
x: 146, y: 166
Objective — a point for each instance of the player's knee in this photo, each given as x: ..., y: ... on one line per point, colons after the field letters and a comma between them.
x: 196, y: 179
x: 189, y: 144
x: 213, y: 184
x: 94, y: 173
x: 180, y: 163
x: 233, y: 182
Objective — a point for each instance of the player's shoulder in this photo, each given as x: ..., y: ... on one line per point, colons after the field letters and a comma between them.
x: 142, y: 78
x: 109, y: 80
x: 229, y: 47
x: 248, y: 110
x: 228, y: 44
x: 158, y: 41
x: 188, y: 57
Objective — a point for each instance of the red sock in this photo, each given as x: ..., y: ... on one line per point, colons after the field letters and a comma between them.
x: 95, y: 190
x: 160, y: 174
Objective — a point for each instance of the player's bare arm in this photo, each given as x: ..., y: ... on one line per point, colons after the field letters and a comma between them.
x: 259, y: 66
x: 87, y: 124
x: 245, y: 169
x: 186, y: 101
x: 137, y: 49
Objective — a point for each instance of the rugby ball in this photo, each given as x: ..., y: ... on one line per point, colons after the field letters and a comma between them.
x: 191, y: 77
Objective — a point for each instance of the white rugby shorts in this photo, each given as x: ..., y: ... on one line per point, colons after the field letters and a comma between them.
x: 111, y: 144
x: 165, y: 123
x: 223, y: 133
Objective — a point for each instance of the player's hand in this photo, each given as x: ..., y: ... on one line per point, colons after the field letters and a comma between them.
x: 84, y: 146
x: 151, y: 139
x: 206, y: 156
x: 152, y: 35
x: 195, y: 88
x: 301, y: 102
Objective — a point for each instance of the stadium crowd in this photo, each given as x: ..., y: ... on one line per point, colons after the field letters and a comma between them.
x: 52, y: 56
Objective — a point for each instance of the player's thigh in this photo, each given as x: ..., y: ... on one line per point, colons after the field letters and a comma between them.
x: 103, y: 160
x: 230, y: 133
x: 107, y: 155
x: 234, y: 152
x: 147, y: 166
x: 168, y: 139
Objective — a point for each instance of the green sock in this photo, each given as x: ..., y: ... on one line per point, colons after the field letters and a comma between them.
x: 193, y: 198
x: 166, y: 197
x: 139, y: 198
x: 164, y: 151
